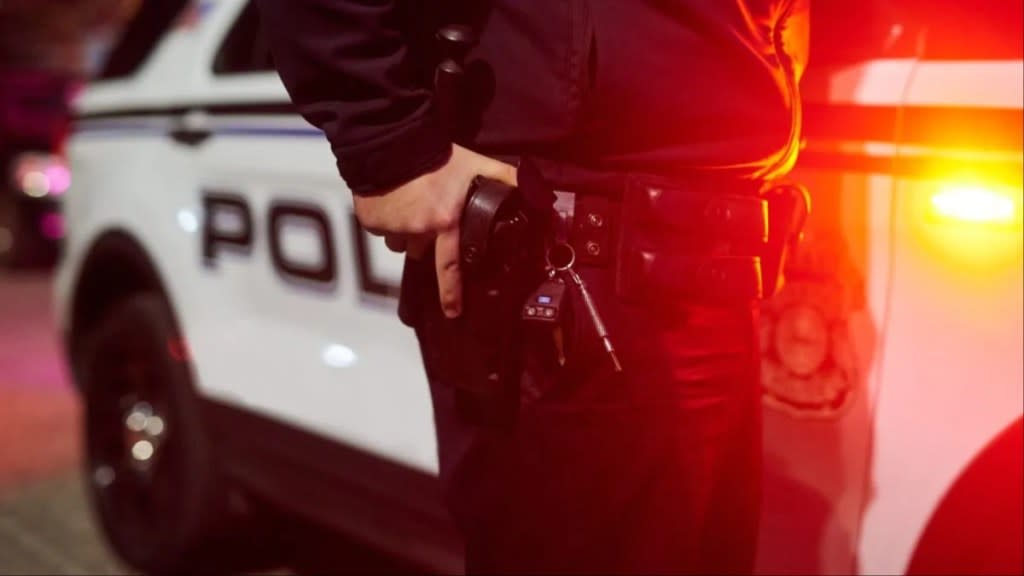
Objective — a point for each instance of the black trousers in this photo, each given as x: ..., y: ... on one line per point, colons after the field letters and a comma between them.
x: 656, y: 470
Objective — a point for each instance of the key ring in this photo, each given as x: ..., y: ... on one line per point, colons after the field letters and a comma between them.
x: 560, y: 257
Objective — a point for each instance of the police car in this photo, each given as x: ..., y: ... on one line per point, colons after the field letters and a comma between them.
x: 232, y: 329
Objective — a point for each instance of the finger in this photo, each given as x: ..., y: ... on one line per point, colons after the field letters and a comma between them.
x: 501, y: 172
x: 396, y: 242
x: 449, y: 275
x: 418, y: 246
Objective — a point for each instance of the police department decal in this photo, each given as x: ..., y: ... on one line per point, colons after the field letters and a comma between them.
x: 806, y: 358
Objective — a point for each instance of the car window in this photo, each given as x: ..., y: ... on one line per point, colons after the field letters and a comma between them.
x: 978, y: 30
x: 244, y: 49
x: 142, y: 34
x: 850, y: 31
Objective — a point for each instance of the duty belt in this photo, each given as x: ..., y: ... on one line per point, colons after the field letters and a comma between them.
x: 662, y: 242
x: 673, y: 241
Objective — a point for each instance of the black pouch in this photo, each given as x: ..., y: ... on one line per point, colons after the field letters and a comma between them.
x: 699, y: 243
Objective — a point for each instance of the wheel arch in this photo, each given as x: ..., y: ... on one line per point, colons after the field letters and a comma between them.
x: 116, y: 267
x: 977, y: 527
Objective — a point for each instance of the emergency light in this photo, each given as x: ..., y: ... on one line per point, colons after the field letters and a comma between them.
x: 976, y: 203
x: 973, y: 224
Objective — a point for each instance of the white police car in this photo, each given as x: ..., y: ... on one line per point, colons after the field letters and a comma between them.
x: 233, y: 331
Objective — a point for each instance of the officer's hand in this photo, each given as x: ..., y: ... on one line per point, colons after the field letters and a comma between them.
x: 429, y: 209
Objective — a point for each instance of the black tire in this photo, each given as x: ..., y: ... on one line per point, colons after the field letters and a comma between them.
x: 165, y: 513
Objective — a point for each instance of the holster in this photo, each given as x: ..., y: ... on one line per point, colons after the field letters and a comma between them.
x: 501, y: 247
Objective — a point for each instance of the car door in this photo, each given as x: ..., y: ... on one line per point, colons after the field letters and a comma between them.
x: 821, y: 335
x: 952, y: 367
x: 294, y: 305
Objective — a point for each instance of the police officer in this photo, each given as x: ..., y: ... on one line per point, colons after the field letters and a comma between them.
x: 648, y: 112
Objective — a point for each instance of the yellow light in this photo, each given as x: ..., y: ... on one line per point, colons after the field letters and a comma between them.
x: 974, y: 224
x: 978, y: 204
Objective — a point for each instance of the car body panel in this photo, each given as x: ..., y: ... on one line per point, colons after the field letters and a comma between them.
x: 818, y: 418
x: 952, y: 367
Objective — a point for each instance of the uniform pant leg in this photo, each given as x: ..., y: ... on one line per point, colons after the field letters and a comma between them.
x: 656, y: 471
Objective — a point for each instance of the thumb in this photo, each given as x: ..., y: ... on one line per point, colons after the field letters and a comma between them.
x: 500, y: 171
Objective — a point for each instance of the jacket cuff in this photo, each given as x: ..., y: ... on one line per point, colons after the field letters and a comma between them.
x: 418, y: 148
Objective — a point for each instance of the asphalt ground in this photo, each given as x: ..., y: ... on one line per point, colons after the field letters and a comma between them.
x: 46, y: 526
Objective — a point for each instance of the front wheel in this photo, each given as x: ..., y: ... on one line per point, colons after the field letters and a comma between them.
x: 150, y: 470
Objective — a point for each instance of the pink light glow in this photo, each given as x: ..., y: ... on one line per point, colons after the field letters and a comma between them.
x: 59, y: 177
x: 52, y: 225
x: 41, y: 175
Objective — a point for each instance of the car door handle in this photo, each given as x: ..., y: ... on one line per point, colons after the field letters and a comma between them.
x: 190, y: 137
x: 192, y: 128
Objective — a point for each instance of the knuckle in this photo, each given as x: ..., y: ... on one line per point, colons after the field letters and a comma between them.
x: 445, y: 217
x: 419, y: 225
x: 369, y: 221
x: 450, y: 266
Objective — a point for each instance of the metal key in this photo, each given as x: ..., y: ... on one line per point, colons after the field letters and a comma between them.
x: 561, y: 259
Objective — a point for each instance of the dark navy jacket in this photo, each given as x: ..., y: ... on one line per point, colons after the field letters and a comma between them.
x: 665, y: 87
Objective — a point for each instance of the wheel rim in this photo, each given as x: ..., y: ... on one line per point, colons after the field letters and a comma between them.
x: 143, y: 433
x: 129, y: 442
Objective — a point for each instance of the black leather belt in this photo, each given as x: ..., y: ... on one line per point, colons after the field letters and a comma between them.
x: 718, y: 244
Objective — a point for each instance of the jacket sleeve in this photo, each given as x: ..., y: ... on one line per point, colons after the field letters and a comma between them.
x: 796, y: 35
x: 347, y: 68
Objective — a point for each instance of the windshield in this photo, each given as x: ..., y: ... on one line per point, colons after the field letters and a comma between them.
x: 849, y: 31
